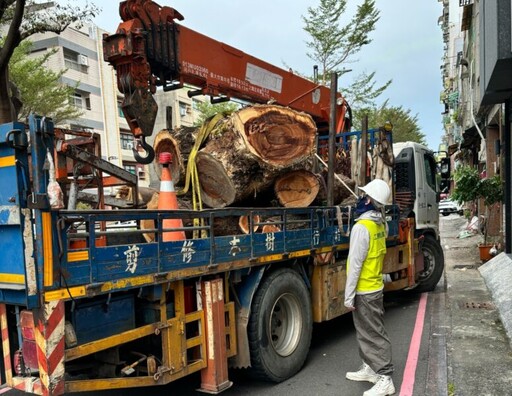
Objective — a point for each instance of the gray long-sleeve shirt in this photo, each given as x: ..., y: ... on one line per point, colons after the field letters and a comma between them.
x: 359, y: 245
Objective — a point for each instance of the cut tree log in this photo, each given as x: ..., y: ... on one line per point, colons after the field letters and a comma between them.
x: 257, y: 145
x: 179, y: 143
x: 243, y: 223
x: 268, y: 228
x: 297, y: 189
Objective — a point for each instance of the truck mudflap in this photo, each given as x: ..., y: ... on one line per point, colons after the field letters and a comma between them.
x: 245, y: 295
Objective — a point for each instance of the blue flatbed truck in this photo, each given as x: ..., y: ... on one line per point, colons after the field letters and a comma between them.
x: 85, y: 306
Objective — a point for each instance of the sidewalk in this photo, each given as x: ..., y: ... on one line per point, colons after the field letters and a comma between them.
x: 479, y: 353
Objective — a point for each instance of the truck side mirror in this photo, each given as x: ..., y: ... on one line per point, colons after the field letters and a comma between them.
x: 445, y: 168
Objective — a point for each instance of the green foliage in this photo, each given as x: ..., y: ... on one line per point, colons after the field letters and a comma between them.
x: 40, y: 88
x: 405, y: 126
x: 362, y: 93
x: 451, y: 389
x: 23, y: 18
x: 470, y: 187
x: 466, y: 184
x: 207, y: 110
x: 83, y: 206
x: 491, y: 190
x: 334, y: 41
x: 40, y: 18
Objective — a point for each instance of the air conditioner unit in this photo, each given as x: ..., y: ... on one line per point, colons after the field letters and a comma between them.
x: 189, y: 109
x: 129, y: 146
x: 83, y: 60
x: 141, y: 173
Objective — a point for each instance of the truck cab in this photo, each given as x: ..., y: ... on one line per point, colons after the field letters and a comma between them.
x: 417, y: 195
x: 412, y: 158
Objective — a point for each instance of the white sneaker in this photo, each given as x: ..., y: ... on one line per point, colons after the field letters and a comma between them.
x: 383, y: 387
x: 365, y: 373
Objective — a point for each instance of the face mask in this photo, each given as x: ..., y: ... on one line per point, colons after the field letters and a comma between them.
x: 363, y: 206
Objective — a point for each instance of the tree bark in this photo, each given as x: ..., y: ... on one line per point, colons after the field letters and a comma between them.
x: 6, y: 106
x: 257, y: 145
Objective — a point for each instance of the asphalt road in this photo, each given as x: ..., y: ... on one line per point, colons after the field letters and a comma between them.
x: 333, y: 352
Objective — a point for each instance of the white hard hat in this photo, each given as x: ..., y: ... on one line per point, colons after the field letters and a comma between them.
x: 378, y: 190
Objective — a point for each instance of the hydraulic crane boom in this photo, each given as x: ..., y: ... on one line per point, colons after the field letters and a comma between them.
x: 150, y: 49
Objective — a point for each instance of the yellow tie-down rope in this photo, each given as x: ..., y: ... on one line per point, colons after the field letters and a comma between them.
x: 212, y: 125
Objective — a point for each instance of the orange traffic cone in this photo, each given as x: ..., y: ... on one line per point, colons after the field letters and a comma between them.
x: 167, y: 200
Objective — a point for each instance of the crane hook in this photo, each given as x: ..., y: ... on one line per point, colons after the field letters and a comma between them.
x: 149, y: 150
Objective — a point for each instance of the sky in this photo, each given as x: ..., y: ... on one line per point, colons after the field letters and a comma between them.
x: 407, y: 44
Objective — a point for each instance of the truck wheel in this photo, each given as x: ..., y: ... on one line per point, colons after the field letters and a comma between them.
x: 434, y: 264
x: 280, y: 326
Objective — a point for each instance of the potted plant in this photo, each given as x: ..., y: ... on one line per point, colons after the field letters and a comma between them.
x: 469, y: 187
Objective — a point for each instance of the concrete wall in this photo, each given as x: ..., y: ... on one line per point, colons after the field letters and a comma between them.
x: 495, y: 53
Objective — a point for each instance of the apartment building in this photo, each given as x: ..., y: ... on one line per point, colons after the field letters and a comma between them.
x: 480, y: 87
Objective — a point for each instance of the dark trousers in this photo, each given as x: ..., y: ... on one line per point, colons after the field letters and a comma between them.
x: 373, y: 340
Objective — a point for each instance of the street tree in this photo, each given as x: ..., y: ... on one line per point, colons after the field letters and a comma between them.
x: 363, y: 92
x: 24, y: 18
x: 405, y: 125
x: 334, y: 43
x: 40, y: 88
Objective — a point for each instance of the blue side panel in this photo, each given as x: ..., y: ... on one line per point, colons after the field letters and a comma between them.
x: 298, y: 240
x: 303, y: 230
x: 124, y: 261
x: 269, y: 243
x: 100, y: 319
x: 16, y: 297
x: 77, y: 273
x: 184, y: 254
x: 13, y: 172
x: 233, y: 247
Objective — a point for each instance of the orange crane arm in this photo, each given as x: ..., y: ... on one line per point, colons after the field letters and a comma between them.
x: 151, y: 49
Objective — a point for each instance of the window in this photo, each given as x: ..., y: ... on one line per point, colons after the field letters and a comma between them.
x: 126, y: 141
x: 168, y: 117
x: 430, y: 171
x: 76, y: 100
x: 141, y: 173
x: 195, y: 104
x: 75, y: 61
x: 135, y: 169
x: 81, y: 100
x: 130, y: 167
x: 120, y: 108
x: 183, y: 109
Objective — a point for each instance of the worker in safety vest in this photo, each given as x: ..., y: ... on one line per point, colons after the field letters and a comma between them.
x: 364, y: 289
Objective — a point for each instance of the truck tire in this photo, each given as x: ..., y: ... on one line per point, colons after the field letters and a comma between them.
x: 280, y: 326
x: 434, y: 264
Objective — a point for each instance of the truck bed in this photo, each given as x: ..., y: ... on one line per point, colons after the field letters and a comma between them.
x: 112, y: 264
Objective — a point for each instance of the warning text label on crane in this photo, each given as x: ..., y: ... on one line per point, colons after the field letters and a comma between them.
x: 263, y: 78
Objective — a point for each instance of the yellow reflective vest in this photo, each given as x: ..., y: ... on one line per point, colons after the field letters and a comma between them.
x: 370, y: 278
